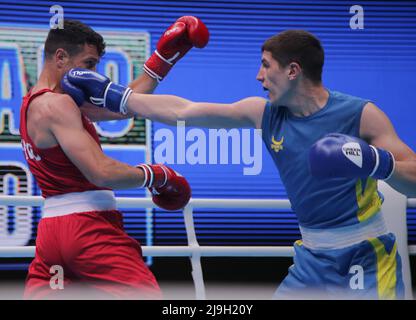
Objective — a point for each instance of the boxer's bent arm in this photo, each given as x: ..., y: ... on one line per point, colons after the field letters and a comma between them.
x: 377, y: 129
x: 143, y: 84
x: 66, y: 125
x: 170, y: 109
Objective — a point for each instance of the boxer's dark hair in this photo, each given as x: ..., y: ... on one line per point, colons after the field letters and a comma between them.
x: 72, y: 38
x: 298, y: 46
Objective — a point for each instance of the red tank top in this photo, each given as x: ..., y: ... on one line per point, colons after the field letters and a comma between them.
x: 52, y: 169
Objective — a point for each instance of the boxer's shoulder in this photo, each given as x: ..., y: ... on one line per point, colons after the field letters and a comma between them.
x: 51, y: 105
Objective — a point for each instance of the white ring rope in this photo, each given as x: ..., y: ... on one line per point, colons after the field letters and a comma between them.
x: 177, y: 251
x: 193, y: 250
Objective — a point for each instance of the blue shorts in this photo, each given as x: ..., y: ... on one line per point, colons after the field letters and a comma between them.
x: 370, y: 269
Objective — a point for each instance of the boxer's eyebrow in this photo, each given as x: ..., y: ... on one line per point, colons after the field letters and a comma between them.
x: 91, y: 61
x: 264, y: 62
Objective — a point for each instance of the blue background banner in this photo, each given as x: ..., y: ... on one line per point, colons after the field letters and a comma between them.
x: 377, y: 62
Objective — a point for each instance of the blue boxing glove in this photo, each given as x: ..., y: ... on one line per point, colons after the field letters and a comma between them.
x: 86, y: 85
x: 339, y: 155
x: 76, y: 93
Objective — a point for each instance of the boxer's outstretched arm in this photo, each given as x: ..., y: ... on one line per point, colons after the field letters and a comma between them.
x: 86, y: 85
x: 376, y: 128
x: 143, y: 84
x: 170, y: 109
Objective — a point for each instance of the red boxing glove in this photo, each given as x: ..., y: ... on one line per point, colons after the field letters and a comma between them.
x: 170, y: 191
x: 178, y: 39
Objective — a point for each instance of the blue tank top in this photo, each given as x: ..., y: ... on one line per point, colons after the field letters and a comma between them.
x: 319, y: 203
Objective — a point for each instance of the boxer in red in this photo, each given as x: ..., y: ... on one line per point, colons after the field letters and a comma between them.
x: 81, y: 231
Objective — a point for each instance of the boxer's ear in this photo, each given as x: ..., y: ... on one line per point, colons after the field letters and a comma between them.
x: 61, y: 58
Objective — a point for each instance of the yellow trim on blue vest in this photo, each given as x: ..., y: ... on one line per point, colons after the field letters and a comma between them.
x: 299, y: 243
x: 369, y: 202
x: 386, y: 269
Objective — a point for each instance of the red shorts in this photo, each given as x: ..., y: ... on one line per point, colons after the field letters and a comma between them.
x: 96, y: 256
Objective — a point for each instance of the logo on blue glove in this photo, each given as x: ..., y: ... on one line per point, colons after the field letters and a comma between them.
x: 352, y: 150
x: 80, y: 73
x: 84, y: 72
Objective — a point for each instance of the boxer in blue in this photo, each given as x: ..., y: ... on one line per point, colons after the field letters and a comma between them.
x: 330, y: 148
